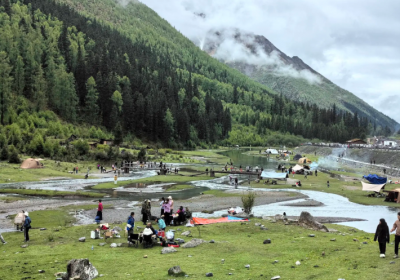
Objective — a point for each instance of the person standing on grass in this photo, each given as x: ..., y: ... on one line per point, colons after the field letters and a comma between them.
x: 396, y: 227
x: 115, y: 179
x: 100, y: 211
x: 27, y: 226
x: 2, y: 239
x: 382, y: 235
x: 327, y: 183
x: 167, y: 212
x: 131, y: 223
x: 171, y: 205
x: 161, y: 223
x: 162, y: 202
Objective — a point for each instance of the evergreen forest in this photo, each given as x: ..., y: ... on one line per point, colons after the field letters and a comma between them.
x: 97, y: 69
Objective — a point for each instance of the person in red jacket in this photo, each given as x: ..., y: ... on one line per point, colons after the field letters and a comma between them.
x: 99, y: 215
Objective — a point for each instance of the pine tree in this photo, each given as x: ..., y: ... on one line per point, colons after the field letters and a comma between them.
x: 39, y: 88
x: 169, y: 124
x: 19, y: 76
x: 5, y: 86
x: 91, y: 106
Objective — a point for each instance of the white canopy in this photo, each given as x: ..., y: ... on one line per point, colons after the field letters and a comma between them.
x: 297, y: 168
x: 372, y: 187
x: 272, y: 151
x: 273, y: 175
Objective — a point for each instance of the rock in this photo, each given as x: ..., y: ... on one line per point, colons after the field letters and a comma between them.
x: 230, y: 273
x: 392, y: 262
x: 60, y: 274
x: 276, y: 261
x: 101, y: 275
x: 307, y: 221
x: 43, y: 229
x: 224, y: 215
x: 168, y: 250
x: 222, y: 260
x: 117, y: 229
x: 333, y: 239
x: 276, y: 277
x: 186, y: 233
x: 279, y: 217
x: 267, y: 241
x: 257, y: 224
x: 178, y: 229
x: 119, y: 244
x: 212, y: 241
x: 24, y: 246
x: 179, y: 240
x: 267, y: 218
x: 193, y: 243
x: 247, y: 266
x: 80, y: 269
x: 209, y: 274
x: 41, y: 271
x: 263, y: 228
x: 145, y: 256
x: 316, y: 266
x: 102, y: 244
x: 298, y: 263
x: 365, y: 242
x: 113, y: 245
x: 332, y: 230
x: 355, y: 239
x: 311, y: 235
x: 82, y: 239
x: 176, y: 271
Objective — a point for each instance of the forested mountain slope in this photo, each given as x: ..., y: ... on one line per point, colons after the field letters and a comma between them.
x: 288, y: 75
x: 97, y: 63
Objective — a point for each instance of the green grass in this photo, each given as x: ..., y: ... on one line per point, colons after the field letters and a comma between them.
x: 39, y: 192
x: 239, y: 244
x: 10, y: 199
x: 180, y: 187
x: 351, y: 189
x: 13, y: 172
x: 220, y: 193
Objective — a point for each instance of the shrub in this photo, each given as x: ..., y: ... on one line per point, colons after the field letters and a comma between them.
x: 4, y: 153
x: 248, y: 200
x: 13, y: 158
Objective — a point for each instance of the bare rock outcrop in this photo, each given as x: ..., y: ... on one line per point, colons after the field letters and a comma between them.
x: 308, y: 221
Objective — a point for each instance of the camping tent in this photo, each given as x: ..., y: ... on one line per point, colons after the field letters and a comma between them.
x: 375, y: 179
x: 272, y: 152
x: 297, y: 157
x: 272, y: 175
x: 372, y: 187
x: 31, y: 163
x: 304, y: 160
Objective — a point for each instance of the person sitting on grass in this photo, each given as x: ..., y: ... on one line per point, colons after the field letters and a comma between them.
x: 161, y: 223
x: 188, y: 214
x: 150, y: 226
x: 181, y: 215
x: 298, y: 184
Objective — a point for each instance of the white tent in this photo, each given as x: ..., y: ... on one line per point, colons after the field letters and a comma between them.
x: 273, y: 175
x: 272, y: 151
x: 297, y: 168
x: 372, y: 187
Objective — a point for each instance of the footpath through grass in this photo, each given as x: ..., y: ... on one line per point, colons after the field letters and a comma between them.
x: 237, y: 243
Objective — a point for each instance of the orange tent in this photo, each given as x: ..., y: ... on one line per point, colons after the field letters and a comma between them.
x: 31, y: 163
x: 203, y: 221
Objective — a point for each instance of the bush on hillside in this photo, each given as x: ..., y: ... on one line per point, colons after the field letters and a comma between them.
x: 13, y: 158
x: 248, y: 201
x: 4, y: 153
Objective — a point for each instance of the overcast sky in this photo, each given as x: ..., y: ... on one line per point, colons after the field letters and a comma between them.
x: 354, y: 43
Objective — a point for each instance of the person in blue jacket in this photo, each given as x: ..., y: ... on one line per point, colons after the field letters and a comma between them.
x: 161, y: 223
x: 131, y: 223
x: 27, y: 226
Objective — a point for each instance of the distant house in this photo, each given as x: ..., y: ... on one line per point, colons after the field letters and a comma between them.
x: 356, y: 141
x: 106, y: 142
x: 390, y: 143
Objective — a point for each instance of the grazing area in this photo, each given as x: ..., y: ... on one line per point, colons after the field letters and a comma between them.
x: 346, y: 254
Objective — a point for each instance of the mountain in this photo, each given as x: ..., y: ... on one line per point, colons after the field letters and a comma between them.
x: 95, y: 68
x: 265, y: 63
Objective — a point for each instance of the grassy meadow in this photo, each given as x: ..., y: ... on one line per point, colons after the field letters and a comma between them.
x: 237, y: 243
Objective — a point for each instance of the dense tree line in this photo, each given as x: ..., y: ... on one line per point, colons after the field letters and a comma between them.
x: 90, y: 70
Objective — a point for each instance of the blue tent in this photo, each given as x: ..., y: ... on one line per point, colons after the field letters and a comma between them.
x: 375, y: 179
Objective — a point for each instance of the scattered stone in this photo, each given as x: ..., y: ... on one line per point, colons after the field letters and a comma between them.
x: 263, y: 228
x: 298, y: 263
x: 276, y: 277
x: 316, y: 266
x: 117, y: 229
x: 189, y: 256
x: 186, y: 233
x: 276, y: 261
x: 308, y: 221
x: 168, y: 250
x: 41, y: 271
x: 209, y: 274
x: 267, y: 241
x: 113, y: 245
x: 82, y: 239
x: 212, y: 241
x: 176, y: 271
x: 230, y: 273
x: 24, y: 246
x: 80, y: 269
x: 332, y: 230
x: 355, y: 239
x: 102, y: 244
x: 180, y: 240
x: 179, y: 229
x: 101, y: 275
x: 333, y: 239
x: 247, y: 266
x: 43, y: 229
x: 365, y: 242
x: 119, y: 244
x: 193, y: 243
x: 222, y: 260
x: 145, y: 256
x: 311, y: 235
x: 60, y: 274
x: 392, y: 262
x: 257, y: 224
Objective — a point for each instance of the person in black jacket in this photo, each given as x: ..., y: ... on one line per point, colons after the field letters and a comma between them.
x: 382, y: 234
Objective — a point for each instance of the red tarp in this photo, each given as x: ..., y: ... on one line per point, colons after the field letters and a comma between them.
x: 203, y: 221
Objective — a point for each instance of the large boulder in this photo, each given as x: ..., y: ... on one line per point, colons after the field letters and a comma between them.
x: 167, y: 250
x: 307, y: 221
x: 193, y: 243
x: 186, y: 233
x: 80, y: 269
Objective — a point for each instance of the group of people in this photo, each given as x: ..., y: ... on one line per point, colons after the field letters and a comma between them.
x: 382, y: 236
x: 25, y: 226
